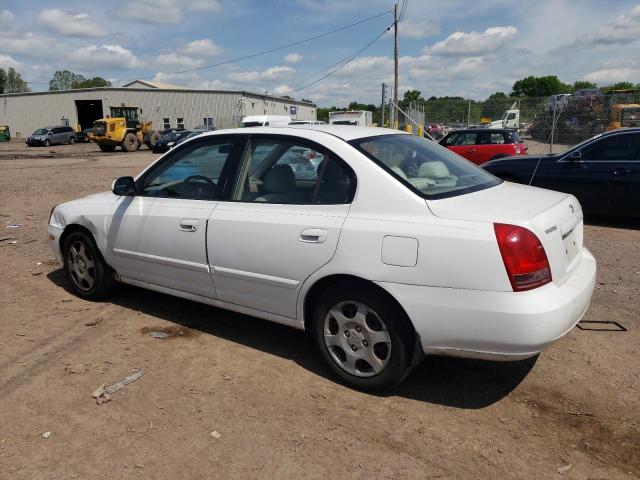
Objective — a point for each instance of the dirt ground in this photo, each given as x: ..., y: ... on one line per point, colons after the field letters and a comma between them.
x: 574, y: 412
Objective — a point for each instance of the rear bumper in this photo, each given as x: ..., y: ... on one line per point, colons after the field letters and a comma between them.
x: 497, y: 325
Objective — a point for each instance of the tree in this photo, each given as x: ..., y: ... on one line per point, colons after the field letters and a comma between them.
x: 539, y: 86
x: 64, y: 80
x: 14, y: 83
x: 3, y: 79
x: 580, y: 84
x: 494, y: 106
x: 619, y: 86
x: 95, y: 82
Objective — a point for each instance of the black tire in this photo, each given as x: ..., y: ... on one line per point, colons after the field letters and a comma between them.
x: 130, y: 143
x: 107, y: 148
x: 397, y: 354
x: 72, y: 140
x: 47, y: 143
x: 153, y: 139
x: 81, y: 260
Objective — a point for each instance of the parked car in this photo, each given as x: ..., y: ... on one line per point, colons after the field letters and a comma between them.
x: 482, y: 145
x: 51, y: 136
x: 603, y: 172
x: 187, y: 134
x: 380, y: 265
x: 169, y: 140
x: 83, y: 135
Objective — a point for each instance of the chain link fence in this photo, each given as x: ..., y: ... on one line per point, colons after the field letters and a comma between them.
x: 548, y: 124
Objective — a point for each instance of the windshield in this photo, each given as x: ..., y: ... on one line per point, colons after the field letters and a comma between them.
x: 172, y: 136
x: 427, y: 168
x: 41, y: 131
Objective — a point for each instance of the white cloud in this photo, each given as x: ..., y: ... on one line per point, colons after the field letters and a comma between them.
x: 202, y: 48
x: 70, y: 24
x: 621, y: 30
x: 274, y: 73
x: 6, y: 61
x: 165, y: 11
x: 176, y: 60
x: 417, y: 29
x: 282, y: 89
x: 608, y: 76
x: 93, y: 57
x: 292, y: 58
x: 203, y: 5
x: 29, y: 44
x: 474, y: 43
x: 7, y: 21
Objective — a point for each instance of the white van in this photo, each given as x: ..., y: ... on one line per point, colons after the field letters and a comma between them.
x: 363, y: 118
x: 266, y: 121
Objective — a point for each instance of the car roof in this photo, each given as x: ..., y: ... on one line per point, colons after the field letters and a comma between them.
x: 344, y: 132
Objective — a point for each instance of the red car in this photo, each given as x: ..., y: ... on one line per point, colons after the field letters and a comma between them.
x: 482, y: 145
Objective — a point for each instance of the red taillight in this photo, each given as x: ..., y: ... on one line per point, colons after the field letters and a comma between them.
x: 523, y: 256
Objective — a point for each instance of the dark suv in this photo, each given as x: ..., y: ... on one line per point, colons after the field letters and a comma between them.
x: 52, y: 135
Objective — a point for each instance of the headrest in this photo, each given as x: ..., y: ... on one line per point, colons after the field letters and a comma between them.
x: 279, y: 179
x: 331, y: 171
x: 433, y: 170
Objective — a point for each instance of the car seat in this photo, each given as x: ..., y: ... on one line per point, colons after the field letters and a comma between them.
x: 280, y: 186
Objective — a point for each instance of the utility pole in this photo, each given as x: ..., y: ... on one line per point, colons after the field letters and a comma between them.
x: 395, y: 59
x: 382, y: 106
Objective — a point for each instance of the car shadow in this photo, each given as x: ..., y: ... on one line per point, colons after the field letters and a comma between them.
x: 460, y: 383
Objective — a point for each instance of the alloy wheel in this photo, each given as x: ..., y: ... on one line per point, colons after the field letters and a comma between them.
x: 81, y: 265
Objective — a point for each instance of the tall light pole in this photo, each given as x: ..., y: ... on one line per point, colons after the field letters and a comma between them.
x: 395, y: 58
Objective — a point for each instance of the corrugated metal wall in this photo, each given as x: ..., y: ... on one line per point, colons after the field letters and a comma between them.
x: 27, y: 112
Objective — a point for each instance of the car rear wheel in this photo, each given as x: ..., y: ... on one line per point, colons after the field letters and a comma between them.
x: 84, y: 267
x: 362, y: 335
x: 72, y: 140
x: 130, y: 143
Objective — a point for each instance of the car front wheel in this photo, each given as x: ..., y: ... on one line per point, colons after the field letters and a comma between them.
x: 86, y: 271
x: 364, y: 337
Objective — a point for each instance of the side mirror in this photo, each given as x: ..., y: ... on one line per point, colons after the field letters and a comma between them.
x: 575, y: 157
x: 124, y: 186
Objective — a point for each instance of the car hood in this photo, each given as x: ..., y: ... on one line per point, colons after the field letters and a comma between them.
x: 552, y: 216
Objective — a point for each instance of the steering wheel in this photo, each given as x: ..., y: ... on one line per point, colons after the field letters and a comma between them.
x: 200, y: 177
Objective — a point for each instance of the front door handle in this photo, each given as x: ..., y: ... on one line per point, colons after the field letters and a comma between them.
x: 188, y: 225
x: 313, y: 235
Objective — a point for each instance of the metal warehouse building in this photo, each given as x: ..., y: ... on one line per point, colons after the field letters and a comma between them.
x: 165, y: 105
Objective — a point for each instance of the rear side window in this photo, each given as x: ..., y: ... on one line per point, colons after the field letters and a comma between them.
x: 425, y: 167
x: 289, y: 171
x: 513, y: 137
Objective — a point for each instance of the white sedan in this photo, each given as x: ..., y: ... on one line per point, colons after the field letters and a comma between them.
x: 386, y: 247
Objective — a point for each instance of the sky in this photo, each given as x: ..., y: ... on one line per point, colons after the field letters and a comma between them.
x: 447, y: 47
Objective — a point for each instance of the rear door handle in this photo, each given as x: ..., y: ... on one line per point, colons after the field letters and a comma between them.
x: 188, y: 225
x: 313, y: 235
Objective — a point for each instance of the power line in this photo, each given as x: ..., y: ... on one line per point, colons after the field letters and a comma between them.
x: 342, y: 63
x: 283, y: 47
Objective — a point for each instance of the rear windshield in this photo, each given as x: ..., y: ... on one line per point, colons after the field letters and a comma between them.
x: 427, y: 168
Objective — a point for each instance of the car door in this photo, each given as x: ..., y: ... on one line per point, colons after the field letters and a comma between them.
x: 158, y: 236
x: 282, y: 224
x: 464, y: 144
x: 601, y: 175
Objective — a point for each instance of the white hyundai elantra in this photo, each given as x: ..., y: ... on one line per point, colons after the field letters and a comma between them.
x: 383, y: 245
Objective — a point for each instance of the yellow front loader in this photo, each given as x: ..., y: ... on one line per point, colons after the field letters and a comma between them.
x: 124, y: 129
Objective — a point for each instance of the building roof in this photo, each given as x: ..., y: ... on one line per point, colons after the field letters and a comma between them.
x: 153, y: 84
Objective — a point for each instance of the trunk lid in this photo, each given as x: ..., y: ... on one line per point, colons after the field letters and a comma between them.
x: 555, y: 218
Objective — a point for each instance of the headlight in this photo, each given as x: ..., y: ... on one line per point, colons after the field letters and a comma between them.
x: 171, y: 144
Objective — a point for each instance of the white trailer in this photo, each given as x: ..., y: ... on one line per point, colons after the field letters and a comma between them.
x: 351, y: 117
